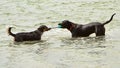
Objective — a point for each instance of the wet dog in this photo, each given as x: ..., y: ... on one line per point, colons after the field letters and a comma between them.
x: 29, y: 36
x: 79, y: 30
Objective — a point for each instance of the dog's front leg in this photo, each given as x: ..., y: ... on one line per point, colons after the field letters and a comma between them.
x: 74, y: 35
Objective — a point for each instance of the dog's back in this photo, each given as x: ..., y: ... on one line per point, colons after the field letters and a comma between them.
x: 25, y: 36
x: 28, y: 36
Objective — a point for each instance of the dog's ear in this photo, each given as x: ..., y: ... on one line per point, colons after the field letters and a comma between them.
x: 41, y: 28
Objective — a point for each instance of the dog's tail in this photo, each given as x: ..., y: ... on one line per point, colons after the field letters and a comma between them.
x: 9, y: 32
x: 109, y: 20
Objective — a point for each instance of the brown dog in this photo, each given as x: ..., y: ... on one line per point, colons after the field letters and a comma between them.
x: 29, y: 36
x: 79, y: 30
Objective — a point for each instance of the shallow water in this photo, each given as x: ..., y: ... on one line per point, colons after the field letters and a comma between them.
x: 57, y: 49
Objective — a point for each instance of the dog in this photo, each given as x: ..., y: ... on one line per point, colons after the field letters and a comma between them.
x: 29, y: 36
x: 79, y: 30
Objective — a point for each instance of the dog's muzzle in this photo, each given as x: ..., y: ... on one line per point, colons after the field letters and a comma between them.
x: 47, y: 29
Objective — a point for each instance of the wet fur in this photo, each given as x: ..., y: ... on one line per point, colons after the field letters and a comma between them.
x: 28, y: 36
x: 79, y: 30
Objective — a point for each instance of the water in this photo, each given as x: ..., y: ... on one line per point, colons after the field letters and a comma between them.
x: 57, y: 49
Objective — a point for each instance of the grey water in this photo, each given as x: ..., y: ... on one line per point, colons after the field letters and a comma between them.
x: 57, y: 49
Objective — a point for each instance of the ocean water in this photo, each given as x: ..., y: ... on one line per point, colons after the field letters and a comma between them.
x: 57, y: 49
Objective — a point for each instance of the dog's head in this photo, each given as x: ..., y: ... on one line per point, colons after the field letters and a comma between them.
x: 43, y: 28
x: 65, y: 24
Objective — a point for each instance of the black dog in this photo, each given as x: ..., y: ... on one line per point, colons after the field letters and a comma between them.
x: 79, y: 30
x: 29, y: 36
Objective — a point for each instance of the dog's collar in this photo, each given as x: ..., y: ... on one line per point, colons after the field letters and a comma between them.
x: 71, y: 27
